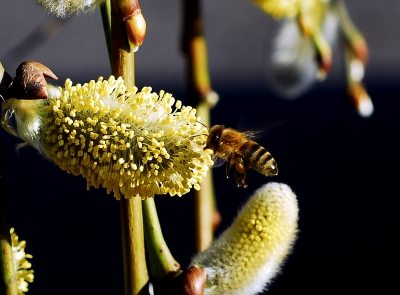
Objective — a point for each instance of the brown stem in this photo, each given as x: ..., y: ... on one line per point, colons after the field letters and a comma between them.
x: 135, y: 269
x: 203, y: 98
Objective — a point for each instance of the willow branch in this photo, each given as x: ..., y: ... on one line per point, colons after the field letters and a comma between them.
x: 203, y: 98
x: 135, y: 269
x: 353, y: 37
x: 105, y: 9
x: 162, y: 263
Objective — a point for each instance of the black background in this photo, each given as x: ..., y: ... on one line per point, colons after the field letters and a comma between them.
x: 343, y: 168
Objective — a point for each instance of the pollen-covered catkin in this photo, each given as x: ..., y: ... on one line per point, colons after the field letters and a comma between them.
x: 24, y: 274
x: 290, y: 8
x: 64, y: 8
x: 249, y: 253
x: 133, y: 143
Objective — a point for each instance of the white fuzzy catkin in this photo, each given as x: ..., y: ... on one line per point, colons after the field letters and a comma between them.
x: 292, y: 68
x: 64, y: 8
x: 248, y: 254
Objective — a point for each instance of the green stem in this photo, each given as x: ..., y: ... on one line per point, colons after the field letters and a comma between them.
x: 204, y: 199
x: 8, y: 283
x: 135, y: 269
x: 349, y: 57
x: 122, y: 57
x: 162, y: 263
x: 202, y: 97
x: 105, y: 9
x: 195, y: 48
x: 310, y: 27
x: 323, y: 52
x: 353, y: 37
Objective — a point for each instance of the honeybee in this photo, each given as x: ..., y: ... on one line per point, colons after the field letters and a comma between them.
x: 238, y: 150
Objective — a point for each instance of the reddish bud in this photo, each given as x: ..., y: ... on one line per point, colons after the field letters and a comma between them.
x: 191, y: 282
x: 360, y: 49
x: 216, y: 219
x: 361, y: 100
x: 30, y: 82
x: 136, y: 28
x: 324, y: 60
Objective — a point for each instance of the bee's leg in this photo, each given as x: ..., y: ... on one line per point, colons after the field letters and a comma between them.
x: 240, y: 179
x: 240, y: 172
x: 229, y: 164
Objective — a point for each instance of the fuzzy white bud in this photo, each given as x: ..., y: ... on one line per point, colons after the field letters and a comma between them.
x: 63, y: 8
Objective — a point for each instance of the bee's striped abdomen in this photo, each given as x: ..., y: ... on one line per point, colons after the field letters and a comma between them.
x: 259, y: 158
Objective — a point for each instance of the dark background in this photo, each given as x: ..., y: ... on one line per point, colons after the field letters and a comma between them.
x: 343, y: 168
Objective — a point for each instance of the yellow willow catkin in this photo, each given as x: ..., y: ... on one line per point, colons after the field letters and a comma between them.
x: 132, y: 143
x: 23, y: 274
x: 249, y: 253
x: 290, y: 8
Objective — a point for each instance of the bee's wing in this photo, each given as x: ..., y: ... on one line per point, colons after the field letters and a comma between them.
x: 261, y: 132
x: 254, y: 134
x: 217, y: 161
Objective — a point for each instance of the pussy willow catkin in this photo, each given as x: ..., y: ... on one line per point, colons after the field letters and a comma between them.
x: 291, y: 8
x: 64, y: 8
x: 249, y: 254
x: 133, y: 143
x: 24, y: 274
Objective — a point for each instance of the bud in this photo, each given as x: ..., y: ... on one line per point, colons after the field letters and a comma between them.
x: 136, y: 28
x: 30, y: 82
x: 189, y: 282
x: 130, y: 12
x: 357, y: 93
x: 249, y: 253
x: 360, y: 99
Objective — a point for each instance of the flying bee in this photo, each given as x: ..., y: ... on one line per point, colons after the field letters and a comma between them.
x: 238, y: 150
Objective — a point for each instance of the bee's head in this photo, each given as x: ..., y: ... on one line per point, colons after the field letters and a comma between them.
x: 214, y: 137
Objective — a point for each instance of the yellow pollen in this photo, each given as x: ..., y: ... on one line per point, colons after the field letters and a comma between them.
x: 133, y: 143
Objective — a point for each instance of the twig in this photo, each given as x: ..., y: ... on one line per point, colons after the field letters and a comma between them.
x: 135, y: 270
x: 203, y: 98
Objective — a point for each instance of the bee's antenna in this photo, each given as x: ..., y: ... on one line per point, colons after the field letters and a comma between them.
x: 197, y: 135
x: 203, y: 125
